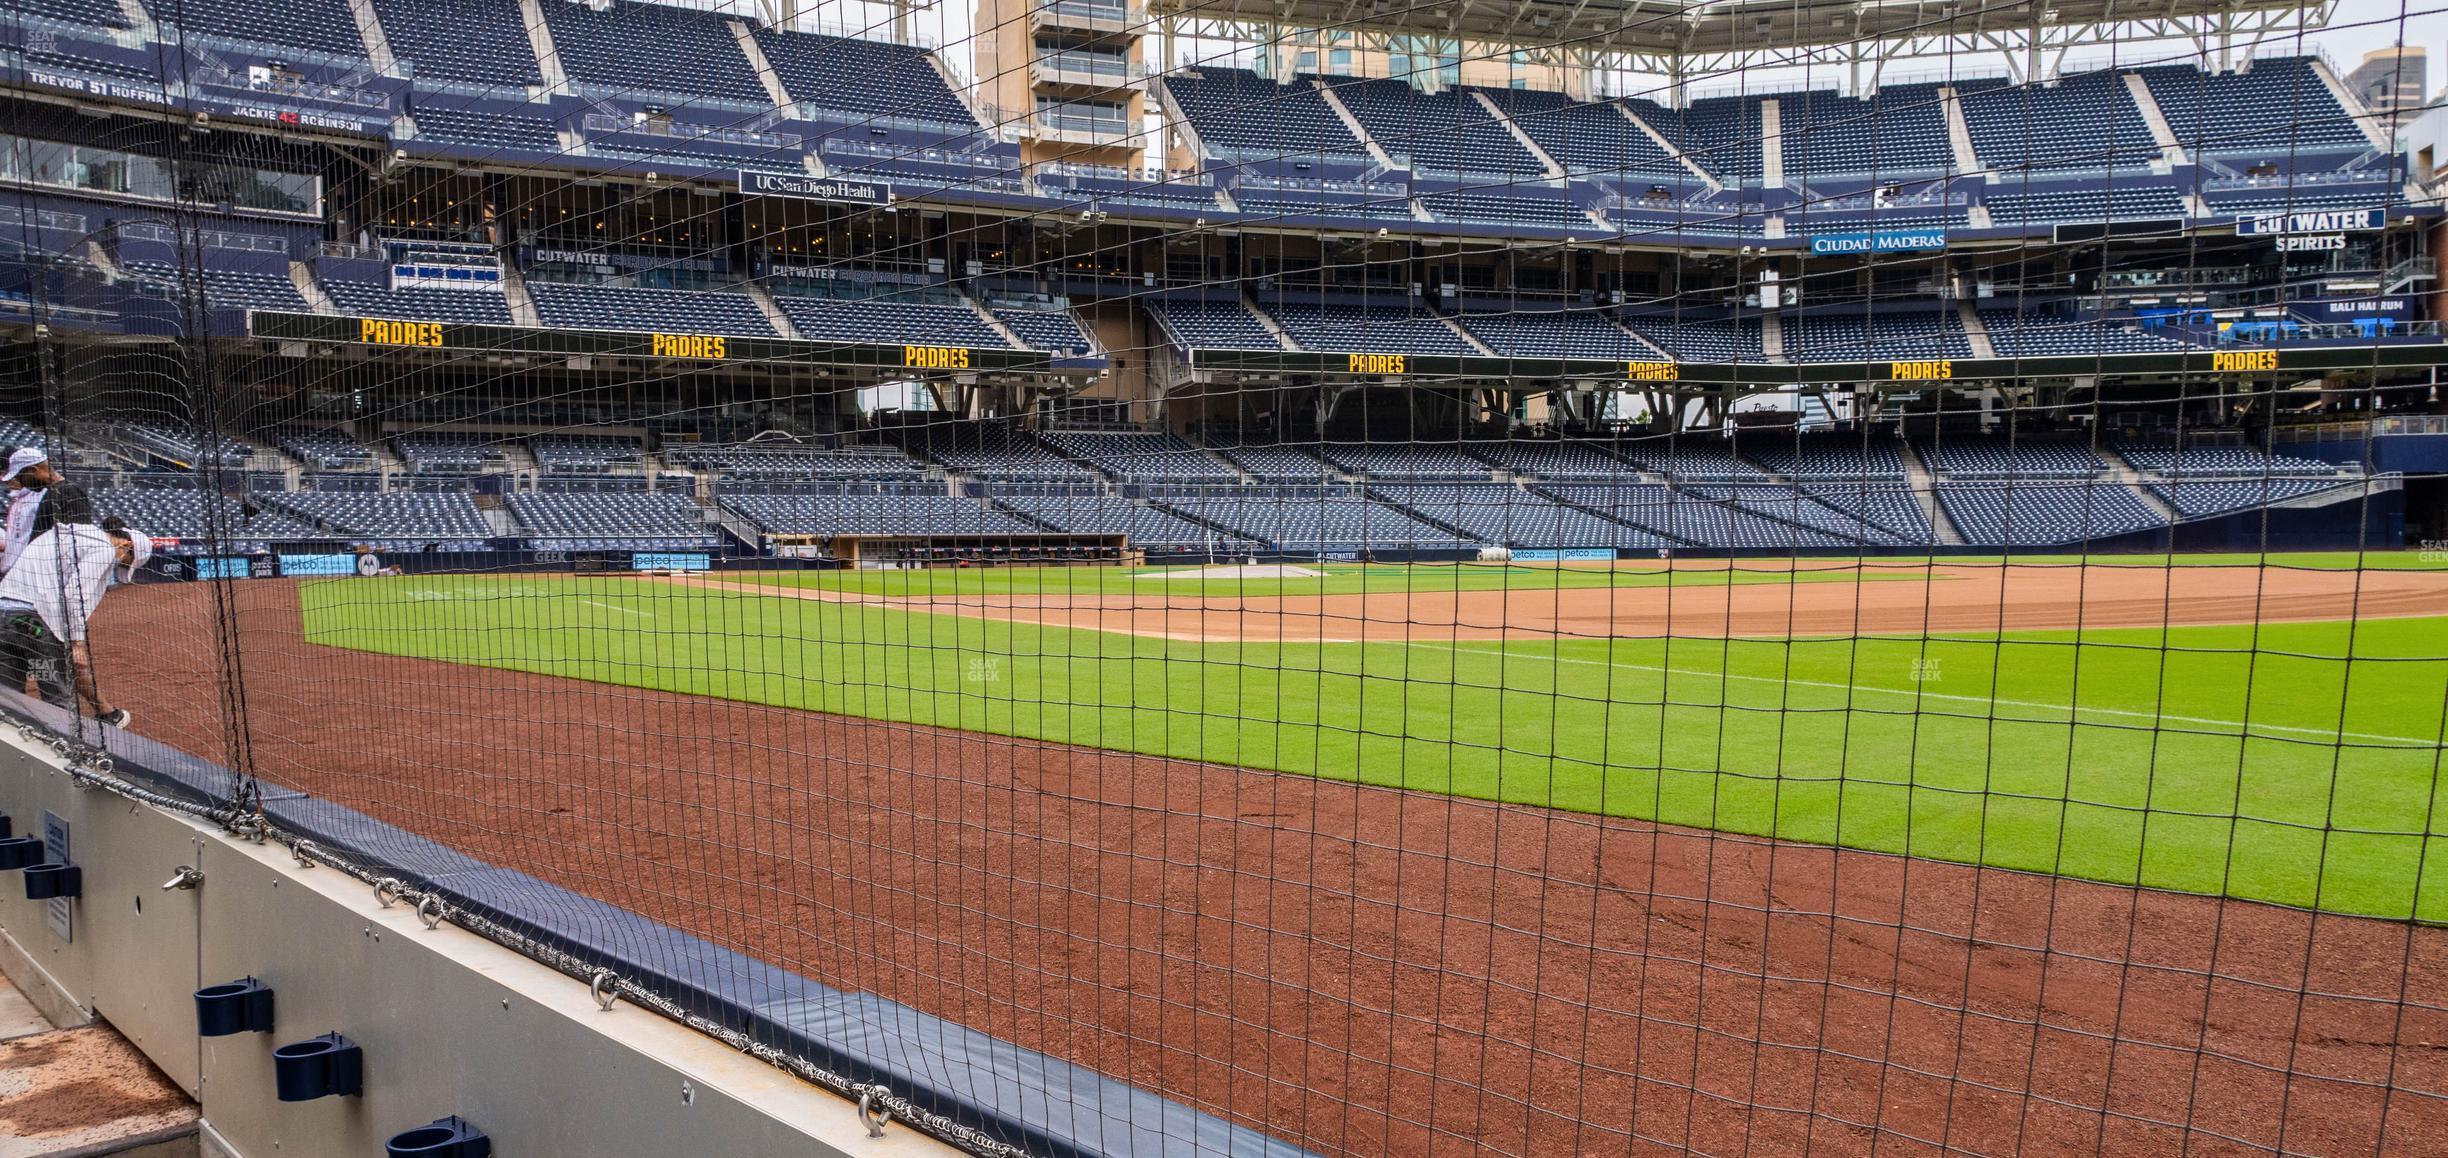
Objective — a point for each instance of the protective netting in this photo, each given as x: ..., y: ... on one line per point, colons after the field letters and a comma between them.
x: 1185, y: 580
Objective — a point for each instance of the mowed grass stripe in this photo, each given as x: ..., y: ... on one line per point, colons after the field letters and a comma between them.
x: 2262, y: 764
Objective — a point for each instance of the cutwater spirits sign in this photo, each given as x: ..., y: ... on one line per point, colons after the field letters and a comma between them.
x: 814, y: 188
x: 2316, y: 221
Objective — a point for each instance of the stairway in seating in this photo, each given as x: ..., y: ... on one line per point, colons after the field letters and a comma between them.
x: 1925, y: 491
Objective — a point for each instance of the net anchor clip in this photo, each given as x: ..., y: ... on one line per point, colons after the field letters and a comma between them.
x: 603, y: 987
x: 429, y: 911
x: 872, y: 1114
x: 388, y: 891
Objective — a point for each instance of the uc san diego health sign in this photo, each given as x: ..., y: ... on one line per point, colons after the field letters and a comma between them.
x: 1879, y: 241
x: 765, y: 184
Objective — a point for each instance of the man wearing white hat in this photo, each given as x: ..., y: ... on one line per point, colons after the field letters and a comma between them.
x: 39, y: 499
x: 47, y: 599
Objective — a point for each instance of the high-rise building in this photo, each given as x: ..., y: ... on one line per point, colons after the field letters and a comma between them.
x: 2391, y: 80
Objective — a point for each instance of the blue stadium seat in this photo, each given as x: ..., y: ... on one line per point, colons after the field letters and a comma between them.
x: 603, y: 307
x: 1139, y: 456
x: 476, y: 42
x: 611, y: 521
x: 626, y: 49
x: 1212, y: 325
x: 1241, y: 115
x: 1444, y: 132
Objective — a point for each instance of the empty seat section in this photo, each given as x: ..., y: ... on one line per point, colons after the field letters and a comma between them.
x: 179, y: 510
x: 322, y: 449
x: 863, y: 77
x: 506, y: 132
x: 1268, y: 462
x: 452, y: 452
x: 2231, y: 461
x: 1445, y: 132
x: 1702, y: 339
x: 582, y: 454
x: 627, y: 49
x: 1826, y: 456
x: 323, y: 26
x: 772, y: 461
x: 1508, y: 516
x: 469, y: 41
x: 2087, y: 121
x: 1213, y: 325
x: 1311, y: 518
x: 1509, y: 208
x: 1144, y: 524
x: 2275, y: 111
x: 1242, y: 115
x: 2201, y: 498
x: 2037, y: 514
x: 610, y: 521
x: 1552, y: 458
x: 1131, y: 455
x: 1593, y: 138
x: 1795, y: 504
x: 1997, y: 456
x: 1852, y: 336
x: 599, y: 307
x: 914, y: 512
x: 1402, y: 460
x: 1691, y: 517
x: 1898, y: 132
x: 411, y: 518
x: 483, y: 307
x: 2012, y: 204
x: 887, y: 321
x: 2015, y: 335
x: 224, y: 288
x: 1553, y: 333
x: 1052, y: 330
x: 993, y: 452
x: 1367, y: 329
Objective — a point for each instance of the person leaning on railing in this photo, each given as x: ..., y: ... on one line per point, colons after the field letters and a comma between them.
x: 48, y: 597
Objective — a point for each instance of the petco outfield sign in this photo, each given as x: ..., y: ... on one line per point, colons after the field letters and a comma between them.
x: 1881, y: 241
x: 814, y: 188
x: 2319, y: 221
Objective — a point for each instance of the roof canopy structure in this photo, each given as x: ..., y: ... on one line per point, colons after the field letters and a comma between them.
x: 1681, y: 37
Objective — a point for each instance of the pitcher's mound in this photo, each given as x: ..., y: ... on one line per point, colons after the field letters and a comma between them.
x: 1249, y: 571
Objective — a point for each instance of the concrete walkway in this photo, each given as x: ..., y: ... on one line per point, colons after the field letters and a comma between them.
x: 71, y: 1093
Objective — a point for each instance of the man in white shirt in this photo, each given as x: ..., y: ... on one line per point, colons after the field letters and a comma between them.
x: 46, y: 601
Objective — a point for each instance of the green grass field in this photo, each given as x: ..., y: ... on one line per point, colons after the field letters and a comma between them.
x: 2261, y: 763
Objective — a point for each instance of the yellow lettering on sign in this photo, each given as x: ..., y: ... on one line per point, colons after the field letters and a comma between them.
x: 1916, y: 371
x: 376, y: 331
x: 2223, y: 361
x: 705, y: 346
x: 936, y: 357
x: 1652, y: 371
x: 1376, y: 364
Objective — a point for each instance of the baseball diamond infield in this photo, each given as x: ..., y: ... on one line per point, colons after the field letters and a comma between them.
x: 1366, y: 968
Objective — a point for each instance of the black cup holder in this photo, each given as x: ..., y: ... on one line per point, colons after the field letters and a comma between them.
x: 45, y: 882
x: 318, y: 1067
x: 451, y: 1137
x: 241, y: 1006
